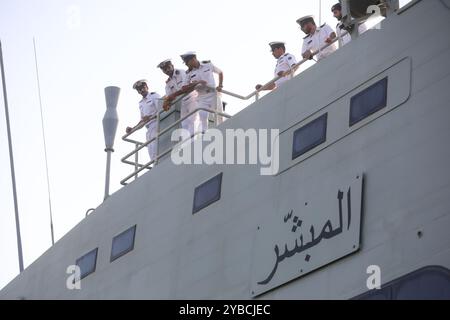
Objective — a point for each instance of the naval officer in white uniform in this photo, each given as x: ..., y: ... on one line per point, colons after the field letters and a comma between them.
x: 285, y: 65
x: 316, y: 38
x: 174, y: 85
x: 200, y: 76
x: 149, y: 106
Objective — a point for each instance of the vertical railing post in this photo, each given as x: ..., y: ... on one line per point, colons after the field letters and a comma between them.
x: 136, y: 160
x: 216, y: 120
x: 157, y: 137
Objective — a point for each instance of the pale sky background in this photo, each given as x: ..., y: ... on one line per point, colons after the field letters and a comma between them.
x: 84, y: 46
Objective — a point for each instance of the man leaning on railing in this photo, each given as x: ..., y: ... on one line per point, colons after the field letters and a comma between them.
x: 343, y: 35
x: 316, y: 38
x: 174, y: 88
x: 284, y: 68
x: 200, y: 76
x: 149, y: 107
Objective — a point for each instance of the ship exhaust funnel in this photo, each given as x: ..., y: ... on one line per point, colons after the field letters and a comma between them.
x: 110, y: 122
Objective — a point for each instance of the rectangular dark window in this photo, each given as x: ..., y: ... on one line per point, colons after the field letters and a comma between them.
x: 123, y: 243
x: 207, y: 193
x: 87, y: 263
x: 309, y: 136
x: 368, y: 101
x: 428, y: 283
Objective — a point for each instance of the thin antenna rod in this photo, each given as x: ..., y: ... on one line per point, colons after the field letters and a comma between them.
x: 11, y: 162
x: 45, y: 145
x: 320, y: 12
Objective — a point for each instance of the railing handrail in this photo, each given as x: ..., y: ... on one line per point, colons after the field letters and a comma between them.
x: 291, y: 71
x: 137, y: 128
x: 140, y: 145
x: 144, y: 144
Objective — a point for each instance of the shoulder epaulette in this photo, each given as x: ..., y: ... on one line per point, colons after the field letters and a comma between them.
x: 206, y: 61
x: 323, y: 25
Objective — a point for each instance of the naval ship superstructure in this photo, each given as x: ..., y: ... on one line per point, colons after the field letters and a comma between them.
x: 358, y: 206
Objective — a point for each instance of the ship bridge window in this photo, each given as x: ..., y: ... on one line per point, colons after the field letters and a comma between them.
x: 309, y: 136
x: 368, y: 101
x: 87, y: 263
x: 207, y: 193
x: 429, y: 283
x: 123, y: 243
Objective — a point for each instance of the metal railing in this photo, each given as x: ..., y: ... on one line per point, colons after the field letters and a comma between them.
x: 298, y: 64
x: 138, y: 167
x: 291, y: 71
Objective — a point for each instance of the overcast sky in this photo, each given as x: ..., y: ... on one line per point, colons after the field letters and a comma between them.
x: 84, y: 46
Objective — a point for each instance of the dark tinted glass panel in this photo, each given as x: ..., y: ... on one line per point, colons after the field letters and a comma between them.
x: 368, y: 101
x: 207, y: 193
x: 87, y: 263
x: 382, y: 294
x: 430, y: 283
x: 426, y: 285
x: 309, y: 136
x: 123, y: 243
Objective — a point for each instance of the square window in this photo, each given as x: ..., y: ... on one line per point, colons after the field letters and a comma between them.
x: 309, y: 136
x: 368, y: 101
x: 207, y: 193
x: 87, y: 263
x: 123, y: 243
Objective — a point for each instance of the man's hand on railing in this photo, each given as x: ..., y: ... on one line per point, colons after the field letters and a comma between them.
x: 269, y: 86
x: 219, y: 88
x: 167, y: 102
x: 141, y: 123
x: 330, y: 39
x: 307, y: 55
x: 283, y: 73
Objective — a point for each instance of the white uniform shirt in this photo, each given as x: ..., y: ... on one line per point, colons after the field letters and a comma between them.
x: 149, y: 106
x: 203, y: 72
x: 284, y: 63
x: 343, y: 40
x: 176, y: 82
x: 317, y: 40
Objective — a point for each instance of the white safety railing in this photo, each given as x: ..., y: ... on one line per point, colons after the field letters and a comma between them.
x: 138, y: 167
x: 291, y: 71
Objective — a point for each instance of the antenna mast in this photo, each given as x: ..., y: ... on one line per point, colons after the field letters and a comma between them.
x: 320, y: 12
x: 11, y: 161
x: 45, y: 145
